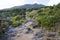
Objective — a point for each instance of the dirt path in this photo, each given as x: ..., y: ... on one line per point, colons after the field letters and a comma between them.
x: 25, y: 36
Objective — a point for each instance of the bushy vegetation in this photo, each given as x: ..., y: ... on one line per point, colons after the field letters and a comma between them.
x: 13, y: 17
x: 12, y: 12
x: 17, y: 20
x: 46, y: 17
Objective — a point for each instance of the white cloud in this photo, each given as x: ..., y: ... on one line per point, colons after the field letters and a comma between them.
x: 10, y: 3
x: 53, y: 2
x: 36, y: 2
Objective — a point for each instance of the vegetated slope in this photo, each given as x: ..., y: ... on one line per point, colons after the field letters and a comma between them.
x: 19, y: 10
x: 46, y: 17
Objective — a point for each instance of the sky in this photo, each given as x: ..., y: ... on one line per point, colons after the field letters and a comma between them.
x: 11, y: 3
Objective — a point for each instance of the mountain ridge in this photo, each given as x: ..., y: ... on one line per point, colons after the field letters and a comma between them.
x: 27, y: 6
x: 30, y: 6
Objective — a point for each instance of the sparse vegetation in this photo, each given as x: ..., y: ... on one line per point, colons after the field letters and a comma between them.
x: 46, y: 17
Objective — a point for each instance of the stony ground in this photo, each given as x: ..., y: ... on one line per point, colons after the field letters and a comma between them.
x: 24, y: 36
x: 20, y: 34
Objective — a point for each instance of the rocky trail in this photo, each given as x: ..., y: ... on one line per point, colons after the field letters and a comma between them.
x: 20, y: 33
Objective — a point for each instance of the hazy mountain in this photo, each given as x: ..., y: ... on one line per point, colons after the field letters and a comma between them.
x: 29, y: 6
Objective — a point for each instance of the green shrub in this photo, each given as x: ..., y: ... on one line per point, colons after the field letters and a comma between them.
x: 28, y: 28
x: 1, y: 33
x: 16, y: 23
x: 23, y: 21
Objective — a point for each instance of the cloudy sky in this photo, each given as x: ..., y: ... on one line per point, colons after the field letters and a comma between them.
x: 11, y: 3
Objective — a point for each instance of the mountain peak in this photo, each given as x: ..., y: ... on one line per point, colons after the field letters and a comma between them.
x: 35, y: 5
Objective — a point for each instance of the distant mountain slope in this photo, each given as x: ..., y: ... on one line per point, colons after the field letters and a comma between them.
x: 29, y: 6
